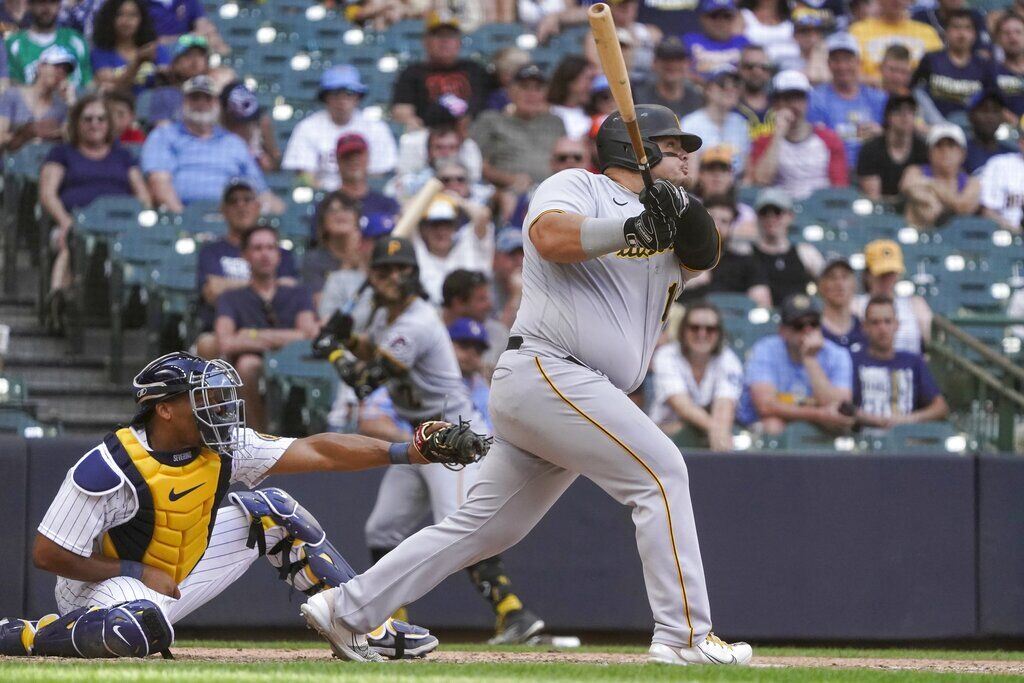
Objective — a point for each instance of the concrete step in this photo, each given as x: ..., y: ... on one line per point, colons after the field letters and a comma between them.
x: 89, y: 372
x: 92, y: 423
x: 34, y: 341
x: 80, y: 408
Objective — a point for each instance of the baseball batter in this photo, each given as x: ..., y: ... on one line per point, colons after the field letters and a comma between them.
x: 138, y: 538
x: 599, y: 275
x: 406, y: 347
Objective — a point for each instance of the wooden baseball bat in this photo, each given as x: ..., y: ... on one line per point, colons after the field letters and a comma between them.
x: 414, y: 209
x: 602, y: 26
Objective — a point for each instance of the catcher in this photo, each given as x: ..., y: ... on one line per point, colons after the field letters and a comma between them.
x: 138, y: 538
x: 406, y: 348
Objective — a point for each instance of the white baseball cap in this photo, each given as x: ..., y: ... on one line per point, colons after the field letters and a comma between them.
x: 790, y: 80
x: 839, y: 42
x: 441, y: 209
x: 947, y: 131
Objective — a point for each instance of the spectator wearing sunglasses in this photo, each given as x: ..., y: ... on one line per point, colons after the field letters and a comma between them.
x: 698, y: 380
x: 790, y: 266
x: 262, y: 316
x: 448, y: 116
x: 797, y: 375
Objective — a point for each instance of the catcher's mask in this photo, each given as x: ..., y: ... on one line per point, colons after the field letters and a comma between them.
x: 212, y: 388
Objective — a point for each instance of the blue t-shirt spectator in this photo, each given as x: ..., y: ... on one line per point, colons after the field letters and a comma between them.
x: 175, y: 17
x: 951, y: 87
x: 708, y: 55
x: 843, y: 115
x: 223, y: 259
x: 200, y: 167
x: 898, y: 386
x: 86, y: 179
x: 112, y: 59
x: 770, y: 362
x: 248, y: 309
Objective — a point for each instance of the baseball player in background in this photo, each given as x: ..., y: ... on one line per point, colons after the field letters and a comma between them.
x: 138, y: 538
x: 599, y: 277
x: 406, y: 348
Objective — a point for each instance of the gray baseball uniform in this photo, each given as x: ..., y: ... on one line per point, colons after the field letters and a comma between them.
x: 560, y: 409
x: 433, y: 389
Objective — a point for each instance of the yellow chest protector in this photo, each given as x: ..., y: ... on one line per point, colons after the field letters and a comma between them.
x: 177, y: 505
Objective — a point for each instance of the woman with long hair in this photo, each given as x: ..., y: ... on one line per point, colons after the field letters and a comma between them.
x: 569, y: 93
x: 37, y: 111
x: 125, y: 51
x: 338, y: 241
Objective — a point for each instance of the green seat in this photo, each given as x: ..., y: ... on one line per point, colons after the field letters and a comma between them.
x: 926, y: 437
x: 971, y: 234
x: 688, y: 439
x: 291, y: 371
x: 21, y: 423
x: 12, y: 390
x: 797, y: 436
x: 109, y: 216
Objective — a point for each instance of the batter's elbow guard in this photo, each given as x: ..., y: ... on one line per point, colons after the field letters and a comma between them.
x: 137, y: 628
x: 303, y: 556
x: 698, y: 246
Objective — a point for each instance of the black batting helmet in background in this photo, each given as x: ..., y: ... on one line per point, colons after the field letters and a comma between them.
x: 615, y: 149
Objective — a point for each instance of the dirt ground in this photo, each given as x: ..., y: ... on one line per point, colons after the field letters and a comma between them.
x: 455, y: 656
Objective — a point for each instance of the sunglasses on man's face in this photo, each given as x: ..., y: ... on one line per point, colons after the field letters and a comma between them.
x: 563, y: 158
x: 453, y: 179
x: 770, y: 211
x: 809, y: 324
x: 240, y: 199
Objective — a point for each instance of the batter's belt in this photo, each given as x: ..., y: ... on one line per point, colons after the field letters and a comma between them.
x: 515, y: 342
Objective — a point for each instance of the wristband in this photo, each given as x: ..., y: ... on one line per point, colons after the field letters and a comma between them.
x: 398, y: 453
x: 132, y: 569
x: 600, y: 236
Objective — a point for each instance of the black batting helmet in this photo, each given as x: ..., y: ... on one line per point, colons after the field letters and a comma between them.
x: 615, y: 149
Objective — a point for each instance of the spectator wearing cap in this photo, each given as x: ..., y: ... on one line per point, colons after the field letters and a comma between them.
x: 669, y: 83
x: 516, y: 144
x: 852, y: 110
x: 1009, y: 37
x: 883, y: 266
x: 951, y: 77
x: 738, y: 270
x: 719, y: 41
x: 469, y: 338
x: 697, y: 379
x: 810, y: 56
x: 798, y: 156
x: 242, y: 115
x: 449, y: 114
x: 797, y: 374
x: 767, y: 23
x: 376, y: 15
x: 262, y: 316
x: 892, y: 387
x: 311, y: 147
x: 125, y: 53
x: 837, y: 286
x: 190, y: 57
x: 220, y: 266
x: 26, y: 47
x: 790, y: 266
x: 940, y: 14
x: 194, y: 160
x: 353, y: 166
x: 91, y: 164
x: 569, y: 93
x: 891, y: 24
x: 716, y: 123
x: 716, y: 179
x: 1002, y: 188
x: 445, y: 242
x: 174, y: 18
x: 986, y: 112
x: 444, y: 71
x: 601, y: 103
x: 337, y: 243
x: 755, y: 73
x: 37, y: 111
x: 508, y: 273
x: 940, y: 189
x: 883, y: 159
x: 467, y: 294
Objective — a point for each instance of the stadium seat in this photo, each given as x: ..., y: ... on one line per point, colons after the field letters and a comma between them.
x: 12, y: 390
x: 21, y: 423
x: 109, y: 216
x: 797, y: 436
x: 926, y: 437
x: 291, y: 369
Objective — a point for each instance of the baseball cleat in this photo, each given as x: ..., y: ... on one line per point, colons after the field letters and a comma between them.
x: 398, y: 640
x: 318, y: 612
x: 713, y: 650
x: 516, y: 627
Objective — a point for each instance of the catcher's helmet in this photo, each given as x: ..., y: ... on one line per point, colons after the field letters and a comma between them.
x: 212, y: 388
x: 615, y: 149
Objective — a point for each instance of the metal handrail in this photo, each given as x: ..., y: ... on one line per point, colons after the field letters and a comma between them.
x: 946, y: 326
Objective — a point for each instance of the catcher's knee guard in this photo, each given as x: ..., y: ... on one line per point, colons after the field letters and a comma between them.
x: 304, y: 558
x: 130, y: 629
x: 17, y: 635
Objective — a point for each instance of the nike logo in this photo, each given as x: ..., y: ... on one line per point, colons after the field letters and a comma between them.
x: 617, y: 202
x: 731, y: 660
x: 174, y: 495
x: 117, y: 631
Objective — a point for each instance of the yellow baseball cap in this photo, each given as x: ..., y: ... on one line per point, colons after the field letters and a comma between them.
x: 883, y: 256
x: 438, y: 19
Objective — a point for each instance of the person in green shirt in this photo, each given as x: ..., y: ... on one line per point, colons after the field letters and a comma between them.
x: 25, y: 47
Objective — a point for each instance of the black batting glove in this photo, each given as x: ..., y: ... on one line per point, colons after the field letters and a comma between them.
x: 665, y: 201
x: 655, y: 227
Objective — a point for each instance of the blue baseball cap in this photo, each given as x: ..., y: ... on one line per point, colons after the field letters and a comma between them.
x: 373, y: 225
x: 341, y: 77
x: 710, y: 6
x: 509, y: 239
x: 470, y: 331
x: 599, y: 84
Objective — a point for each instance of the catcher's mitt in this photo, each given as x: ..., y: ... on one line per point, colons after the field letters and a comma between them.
x: 454, y: 446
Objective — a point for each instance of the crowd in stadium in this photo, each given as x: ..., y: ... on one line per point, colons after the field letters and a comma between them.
x: 918, y: 107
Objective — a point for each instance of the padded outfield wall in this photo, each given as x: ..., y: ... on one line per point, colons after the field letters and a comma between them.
x: 828, y: 547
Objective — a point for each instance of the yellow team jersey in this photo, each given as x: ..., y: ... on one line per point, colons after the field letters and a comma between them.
x: 875, y: 35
